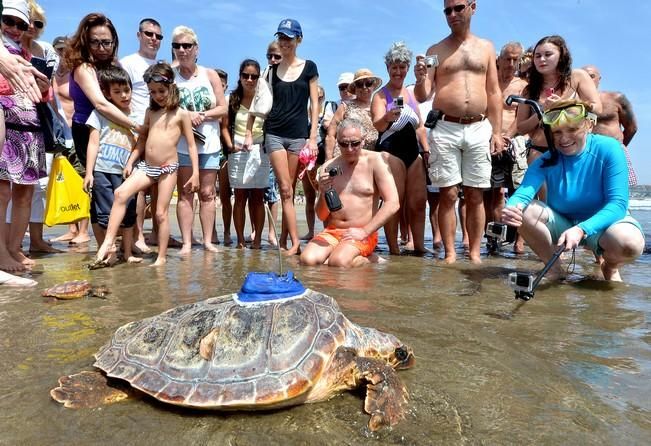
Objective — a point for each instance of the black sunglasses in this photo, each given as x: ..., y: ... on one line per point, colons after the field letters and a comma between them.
x: 362, y: 83
x: 253, y: 77
x: 103, y: 43
x: 347, y: 144
x: 19, y: 24
x: 343, y: 87
x: 274, y: 56
x: 156, y: 78
x: 38, y: 24
x: 458, y: 8
x: 185, y: 46
x: 151, y: 34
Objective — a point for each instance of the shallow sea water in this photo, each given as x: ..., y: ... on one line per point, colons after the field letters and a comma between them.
x: 572, y: 366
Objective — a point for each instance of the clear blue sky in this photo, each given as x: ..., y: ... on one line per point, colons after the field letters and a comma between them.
x: 344, y: 35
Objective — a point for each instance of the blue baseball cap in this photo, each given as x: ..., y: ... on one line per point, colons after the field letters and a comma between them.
x: 290, y: 27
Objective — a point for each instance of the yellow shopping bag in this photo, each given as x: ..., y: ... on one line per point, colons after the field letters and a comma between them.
x: 66, y: 201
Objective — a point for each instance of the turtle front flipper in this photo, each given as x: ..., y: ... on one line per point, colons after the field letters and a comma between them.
x: 386, y: 396
x: 86, y: 390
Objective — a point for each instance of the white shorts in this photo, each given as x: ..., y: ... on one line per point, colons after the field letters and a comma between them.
x: 460, y: 153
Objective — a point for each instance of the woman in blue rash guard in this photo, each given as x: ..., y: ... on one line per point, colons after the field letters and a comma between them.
x: 587, y: 201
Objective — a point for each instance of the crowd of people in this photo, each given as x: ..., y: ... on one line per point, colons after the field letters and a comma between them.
x: 137, y: 129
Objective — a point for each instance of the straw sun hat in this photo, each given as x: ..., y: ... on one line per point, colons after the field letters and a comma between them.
x: 364, y: 73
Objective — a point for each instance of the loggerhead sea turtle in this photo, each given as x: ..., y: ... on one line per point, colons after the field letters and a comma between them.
x: 237, y: 353
x: 76, y: 289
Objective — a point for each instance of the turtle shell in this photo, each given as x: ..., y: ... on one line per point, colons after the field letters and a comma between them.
x: 74, y: 289
x: 262, y: 355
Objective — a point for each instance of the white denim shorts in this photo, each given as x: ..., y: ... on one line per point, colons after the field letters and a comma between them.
x: 460, y: 153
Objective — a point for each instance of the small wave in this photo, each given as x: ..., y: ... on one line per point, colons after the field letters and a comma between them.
x: 639, y: 204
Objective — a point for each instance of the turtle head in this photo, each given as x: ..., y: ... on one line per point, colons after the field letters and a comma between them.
x: 402, y: 357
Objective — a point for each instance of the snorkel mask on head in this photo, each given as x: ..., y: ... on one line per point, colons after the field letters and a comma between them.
x: 567, y: 112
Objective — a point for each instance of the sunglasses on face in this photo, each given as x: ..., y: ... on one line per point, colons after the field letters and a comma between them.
x: 156, y: 78
x: 10, y: 22
x: 458, y: 9
x: 247, y: 76
x: 185, y: 46
x: 364, y: 83
x: 349, y: 144
x: 343, y: 87
x: 38, y: 24
x: 271, y: 56
x: 572, y: 114
x: 106, y: 43
x: 151, y: 34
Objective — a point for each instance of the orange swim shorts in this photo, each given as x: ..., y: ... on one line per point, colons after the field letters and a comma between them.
x: 334, y: 236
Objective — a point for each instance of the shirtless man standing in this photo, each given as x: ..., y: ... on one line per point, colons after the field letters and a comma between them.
x: 363, y: 177
x: 616, y: 119
x: 469, y: 130
x: 510, y: 84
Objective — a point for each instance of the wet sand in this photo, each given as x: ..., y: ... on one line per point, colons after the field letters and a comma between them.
x: 571, y: 366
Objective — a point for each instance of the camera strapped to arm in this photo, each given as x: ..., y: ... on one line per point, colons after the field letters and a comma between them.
x: 525, y: 284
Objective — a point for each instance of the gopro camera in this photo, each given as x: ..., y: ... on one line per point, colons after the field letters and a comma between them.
x: 432, y: 61
x: 521, y: 282
x: 398, y: 102
x: 501, y: 232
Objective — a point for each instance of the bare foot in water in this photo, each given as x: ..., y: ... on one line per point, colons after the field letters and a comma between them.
x: 42, y: 246
x: 142, y: 247
x: 159, y: 261
x: 9, y: 264
x: 23, y: 259
x: 450, y: 259
x: 293, y: 251
x: 272, y: 241
x: 610, y: 273
x: 134, y: 259
x: 240, y: 245
x: 210, y: 247
x: 185, y: 250
x: 228, y: 241
x: 65, y: 237
x: 475, y: 260
x: 79, y: 239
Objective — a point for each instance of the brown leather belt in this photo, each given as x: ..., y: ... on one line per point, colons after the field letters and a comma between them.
x: 463, y: 119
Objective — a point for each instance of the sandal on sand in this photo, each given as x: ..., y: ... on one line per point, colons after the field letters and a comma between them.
x: 11, y: 280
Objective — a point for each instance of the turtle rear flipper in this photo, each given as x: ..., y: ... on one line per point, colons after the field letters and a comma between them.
x: 86, y: 390
x: 386, y: 396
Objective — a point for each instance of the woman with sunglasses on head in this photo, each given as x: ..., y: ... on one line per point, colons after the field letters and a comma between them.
x: 249, y: 179
x: 93, y: 47
x: 587, y: 194
x: 294, y: 82
x: 203, y: 96
x: 22, y: 161
x: 396, y: 117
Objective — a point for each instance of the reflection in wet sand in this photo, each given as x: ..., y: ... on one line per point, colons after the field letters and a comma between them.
x: 571, y: 366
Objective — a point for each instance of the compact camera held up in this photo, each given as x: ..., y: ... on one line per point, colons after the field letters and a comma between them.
x: 398, y: 102
x: 432, y: 61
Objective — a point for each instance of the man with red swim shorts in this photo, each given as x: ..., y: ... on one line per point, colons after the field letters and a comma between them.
x: 359, y: 178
